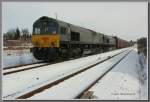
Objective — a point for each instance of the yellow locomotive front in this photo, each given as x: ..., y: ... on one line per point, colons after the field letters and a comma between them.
x: 45, y: 39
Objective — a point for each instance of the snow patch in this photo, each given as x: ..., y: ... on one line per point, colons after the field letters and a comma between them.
x: 17, y: 57
x: 124, y: 81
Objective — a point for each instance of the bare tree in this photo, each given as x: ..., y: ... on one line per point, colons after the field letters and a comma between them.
x: 17, y: 35
x: 25, y: 33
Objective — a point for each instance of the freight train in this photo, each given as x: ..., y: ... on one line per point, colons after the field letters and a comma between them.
x: 53, y: 38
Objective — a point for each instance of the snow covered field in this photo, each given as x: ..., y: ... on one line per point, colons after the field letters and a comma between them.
x: 124, y: 82
x: 29, y: 79
x: 17, y: 57
x: 71, y: 88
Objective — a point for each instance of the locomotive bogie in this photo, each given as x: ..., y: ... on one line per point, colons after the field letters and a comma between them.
x: 46, y: 54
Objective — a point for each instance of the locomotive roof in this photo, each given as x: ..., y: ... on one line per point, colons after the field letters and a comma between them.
x: 56, y: 20
x: 43, y: 18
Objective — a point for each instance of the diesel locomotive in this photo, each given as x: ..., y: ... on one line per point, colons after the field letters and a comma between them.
x: 53, y: 38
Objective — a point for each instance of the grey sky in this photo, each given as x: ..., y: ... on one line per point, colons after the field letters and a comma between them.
x: 127, y: 20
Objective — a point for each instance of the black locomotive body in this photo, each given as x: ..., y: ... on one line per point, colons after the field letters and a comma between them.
x: 54, y: 38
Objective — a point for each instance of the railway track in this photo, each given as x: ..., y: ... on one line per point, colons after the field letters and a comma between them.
x: 86, y: 90
x: 32, y: 88
x: 19, y: 68
x: 47, y: 86
x: 11, y: 70
x: 11, y: 67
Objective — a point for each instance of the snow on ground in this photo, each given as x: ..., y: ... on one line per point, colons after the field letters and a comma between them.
x: 70, y: 88
x: 123, y: 82
x: 28, y: 80
x: 17, y: 57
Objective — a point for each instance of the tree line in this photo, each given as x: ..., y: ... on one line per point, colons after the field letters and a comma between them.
x: 142, y: 45
x: 16, y: 34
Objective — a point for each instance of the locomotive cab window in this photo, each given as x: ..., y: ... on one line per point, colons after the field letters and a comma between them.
x: 52, y: 27
x: 63, y: 30
x: 37, y: 30
x: 45, y: 27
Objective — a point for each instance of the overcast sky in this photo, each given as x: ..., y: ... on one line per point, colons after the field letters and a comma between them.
x: 127, y: 20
